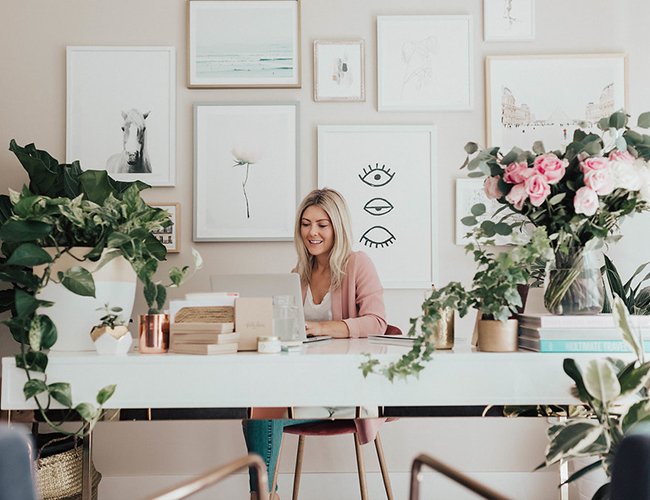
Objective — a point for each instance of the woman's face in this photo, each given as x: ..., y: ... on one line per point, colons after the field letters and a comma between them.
x: 316, y: 231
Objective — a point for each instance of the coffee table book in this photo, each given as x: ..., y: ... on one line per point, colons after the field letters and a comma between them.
x: 205, y: 349
x: 570, y: 345
x: 545, y: 320
x: 201, y: 328
x: 205, y: 338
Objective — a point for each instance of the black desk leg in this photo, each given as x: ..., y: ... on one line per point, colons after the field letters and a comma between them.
x: 86, y: 474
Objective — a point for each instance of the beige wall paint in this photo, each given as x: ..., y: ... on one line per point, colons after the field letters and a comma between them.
x: 33, y: 37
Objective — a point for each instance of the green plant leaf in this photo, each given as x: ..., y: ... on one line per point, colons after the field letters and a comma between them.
x: 34, y: 361
x: 87, y: 411
x: 78, y: 280
x: 61, y: 392
x: 469, y: 221
x: 573, y: 370
x: 34, y: 387
x: 638, y: 412
x: 633, y: 380
x: 48, y: 331
x: 575, y: 436
x: 471, y: 148
x: 644, y: 120
x: 601, y: 380
x: 622, y: 322
x: 26, y: 304
x: 621, y: 144
x: 42, y: 168
x: 105, y: 394
x: 618, y: 120
x: 478, y: 209
x: 538, y: 148
x: 24, y: 230
x: 29, y: 255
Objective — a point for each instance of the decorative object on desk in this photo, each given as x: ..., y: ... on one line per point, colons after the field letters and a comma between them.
x: 637, y: 301
x: 170, y: 236
x: 285, y: 317
x: 497, y: 336
x: 253, y: 319
x: 579, y: 195
x: 616, y: 400
x: 339, y: 70
x: 444, y: 331
x: 153, y: 333
x: 112, y: 335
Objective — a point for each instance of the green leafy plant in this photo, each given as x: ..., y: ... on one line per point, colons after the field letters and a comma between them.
x: 65, y: 207
x: 615, y: 396
x: 112, y: 316
x: 635, y: 298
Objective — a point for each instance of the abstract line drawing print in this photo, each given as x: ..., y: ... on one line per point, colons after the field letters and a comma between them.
x: 418, y: 56
x: 378, y: 206
x: 507, y: 12
x: 377, y: 176
x: 341, y: 71
x: 377, y: 236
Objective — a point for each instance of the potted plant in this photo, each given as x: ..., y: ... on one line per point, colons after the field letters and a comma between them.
x: 616, y: 399
x: 112, y: 335
x: 635, y: 298
x: 86, y: 217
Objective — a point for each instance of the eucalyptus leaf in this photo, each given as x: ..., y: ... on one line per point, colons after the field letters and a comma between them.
x: 478, y: 209
x: 621, y: 144
x: 469, y: 221
x: 471, y: 148
x: 644, y: 120
x: 618, y: 120
x: 538, y: 148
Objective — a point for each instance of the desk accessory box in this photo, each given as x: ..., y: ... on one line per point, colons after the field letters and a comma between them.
x: 253, y: 318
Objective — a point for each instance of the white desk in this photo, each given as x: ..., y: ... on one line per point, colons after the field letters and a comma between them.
x: 324, y: 374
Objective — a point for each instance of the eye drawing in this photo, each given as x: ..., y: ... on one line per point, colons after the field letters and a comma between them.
x: 377, y: 176
x: 378, y: 206
x: 377, y: 236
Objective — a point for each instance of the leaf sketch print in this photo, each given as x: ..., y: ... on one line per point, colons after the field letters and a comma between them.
x: 377, y: 236
x: 418, y: 56
x: 377, y: 176
x: 248, y: 158
x: 507, y: 12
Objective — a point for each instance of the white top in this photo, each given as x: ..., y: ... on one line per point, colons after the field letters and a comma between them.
x: 318, y: 312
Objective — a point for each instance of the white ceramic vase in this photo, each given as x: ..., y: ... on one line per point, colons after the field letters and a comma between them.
x: 75, y: 315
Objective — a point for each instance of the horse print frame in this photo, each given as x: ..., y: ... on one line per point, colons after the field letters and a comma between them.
x: 171, y: 235
x: 121, y: 112
x: 243, y: 44
x: 245, y: 170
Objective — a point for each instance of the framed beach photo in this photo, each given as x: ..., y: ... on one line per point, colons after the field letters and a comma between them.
x: 243, y: 43
x: 245, y: 170
x: 425, y: 63
x: 170, y: 236
x: 388, y: 176
x: 508, y: 20
x: 526, y: 103
x: 339, y: 70
x: 121, y: 112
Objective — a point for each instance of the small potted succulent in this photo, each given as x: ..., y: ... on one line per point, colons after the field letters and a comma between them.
x: 112, y: 335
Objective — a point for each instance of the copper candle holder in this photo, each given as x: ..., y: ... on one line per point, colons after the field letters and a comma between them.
x: 154, y: 333
x: 443, y: 330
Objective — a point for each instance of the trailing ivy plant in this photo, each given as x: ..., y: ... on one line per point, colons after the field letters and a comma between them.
x: 64, y: 207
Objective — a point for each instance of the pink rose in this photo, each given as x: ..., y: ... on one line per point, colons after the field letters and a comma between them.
x: 517, y: 196
x: 517, y: 172
x: 586, y: 201
x: 551, y: 167
x: 596, y: 163
x: 601, y: 181
x: 538, y: 189
x: 491, y: 187
x: 622, y: 156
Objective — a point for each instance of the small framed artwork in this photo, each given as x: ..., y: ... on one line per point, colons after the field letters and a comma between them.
x: 425, y: 63
x: 387, y: 174
x: 121, y: 112
x: 170, y: 236
x: 524, y: 104
x: 245, y: 171
x: 339, y: 70
x: 508, y: 20
x: 243, y: 43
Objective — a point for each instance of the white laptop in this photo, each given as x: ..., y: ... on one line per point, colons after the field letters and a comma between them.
x: 266, y: 285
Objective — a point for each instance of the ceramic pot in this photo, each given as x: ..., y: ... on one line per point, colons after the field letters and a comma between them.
x: 75, y: 315
x: 497, y: 336
x: 154, y: 333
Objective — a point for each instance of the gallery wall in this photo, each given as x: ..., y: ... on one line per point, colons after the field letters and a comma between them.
x: 34, y: 36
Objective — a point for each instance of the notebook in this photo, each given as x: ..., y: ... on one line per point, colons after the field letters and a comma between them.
x: 266, y: 285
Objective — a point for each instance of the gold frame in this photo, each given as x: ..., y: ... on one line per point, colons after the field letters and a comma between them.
x: 362, y: 49
x: 176, y: 227
x: 190, y: 85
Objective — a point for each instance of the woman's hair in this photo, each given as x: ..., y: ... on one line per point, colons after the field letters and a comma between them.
x: 334, y: 205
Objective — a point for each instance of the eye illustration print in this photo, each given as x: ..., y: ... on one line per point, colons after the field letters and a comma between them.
x: 376, y: 176
x: 378, y: 206
x: 377, y: 236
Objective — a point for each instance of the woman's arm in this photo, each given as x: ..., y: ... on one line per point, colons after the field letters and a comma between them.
x: 336, y: 329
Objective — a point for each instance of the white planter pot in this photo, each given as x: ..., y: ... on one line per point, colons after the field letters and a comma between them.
x: 75, y: 315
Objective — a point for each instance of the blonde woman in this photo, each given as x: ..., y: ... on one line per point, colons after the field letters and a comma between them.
x: 342, y: 297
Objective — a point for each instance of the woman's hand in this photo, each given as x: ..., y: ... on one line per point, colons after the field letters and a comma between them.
x: 337, y: 329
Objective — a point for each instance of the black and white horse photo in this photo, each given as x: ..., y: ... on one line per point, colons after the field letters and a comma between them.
x: 133, y: 159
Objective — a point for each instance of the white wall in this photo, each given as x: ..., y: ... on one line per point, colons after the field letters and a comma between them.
x: 34, y: 35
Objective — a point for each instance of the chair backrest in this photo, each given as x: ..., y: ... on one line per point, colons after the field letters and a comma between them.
x: 631, y: 468
x: 16, y: 466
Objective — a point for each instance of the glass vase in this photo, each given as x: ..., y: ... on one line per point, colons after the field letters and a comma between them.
x: 573, y: 283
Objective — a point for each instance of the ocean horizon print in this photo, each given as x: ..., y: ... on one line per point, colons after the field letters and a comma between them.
x: 254, y: 61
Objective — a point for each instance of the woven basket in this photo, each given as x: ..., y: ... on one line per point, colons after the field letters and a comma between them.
x: 58, y: 477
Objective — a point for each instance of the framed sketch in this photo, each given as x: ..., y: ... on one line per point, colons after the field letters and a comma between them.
x: 243, y: 43
x: 526, y: 103
x: 387, y: 174
x: 245, y: 171
x: 508, y: 20
x: 121, y: 112
x: 425, y: 63
x: 170, y: 236
x: 339, y: 70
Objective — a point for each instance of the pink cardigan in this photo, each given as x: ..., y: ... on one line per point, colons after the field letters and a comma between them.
x: 359, y: 303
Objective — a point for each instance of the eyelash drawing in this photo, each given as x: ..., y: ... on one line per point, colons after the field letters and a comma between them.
x: 377, y: 176
x: 378, y: 206
x: 377, y: 236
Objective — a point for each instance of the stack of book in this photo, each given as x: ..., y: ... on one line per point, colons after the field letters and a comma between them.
x: 597, y: 333
x: 203, y: 338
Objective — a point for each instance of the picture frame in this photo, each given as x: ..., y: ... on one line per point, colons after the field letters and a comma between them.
x: 243, y: 44
x: 121, y: 111
x: 425, y: 63
x: 246, y: 159
x: 388, y: 175
x: 170, y: 236
x: 524, y: 104
x: 339, y: 70
x: 508, y: 20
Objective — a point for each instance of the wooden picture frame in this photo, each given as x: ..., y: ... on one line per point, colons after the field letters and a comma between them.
x: 339, y: 70
x: 170, y: 236
x: 243, y: 44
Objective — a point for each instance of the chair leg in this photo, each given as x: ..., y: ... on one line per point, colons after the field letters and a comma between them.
x: 277, y: 467
x: 362, y: 468
x: 296, y: 476
x: 384, y: 469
